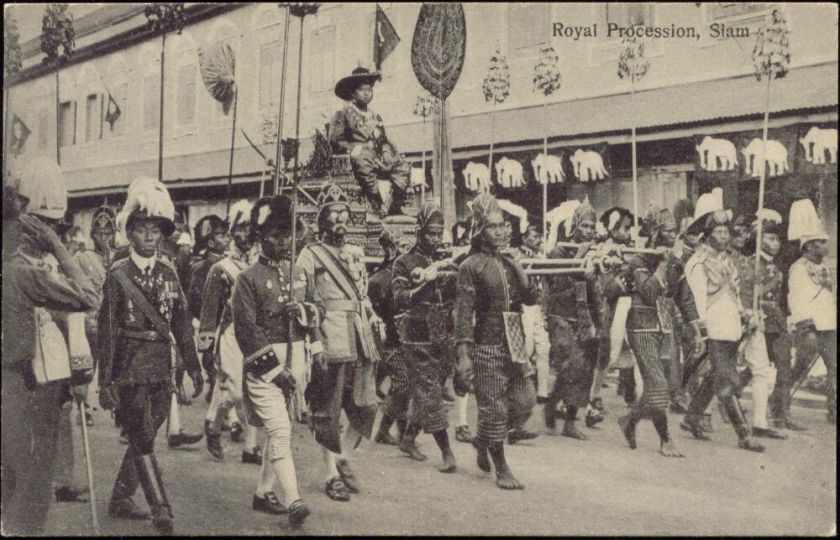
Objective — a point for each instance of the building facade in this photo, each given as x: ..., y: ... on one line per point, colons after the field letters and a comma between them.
x: 697, y: 87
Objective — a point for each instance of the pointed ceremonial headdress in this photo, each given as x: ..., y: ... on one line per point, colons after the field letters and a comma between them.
x: 804, y: 223
x: 481, y: 207
x: 147, y: 198
x: 558, y: 216
x: 103, y: 219
x: 584, y: 212
x: 655, y: 221
x: 41, y: 181
x: 429, y: 213
x: 331, y: 194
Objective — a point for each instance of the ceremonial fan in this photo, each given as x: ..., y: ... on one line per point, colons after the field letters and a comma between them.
x: 218, y: 69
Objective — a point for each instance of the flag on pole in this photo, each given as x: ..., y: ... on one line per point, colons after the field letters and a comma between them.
x: 19, y: 135
x: 385, y: 38
x: 112, y: 113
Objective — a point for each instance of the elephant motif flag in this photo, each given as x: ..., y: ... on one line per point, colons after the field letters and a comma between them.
x: 781, y: 152
x: 817, y: 149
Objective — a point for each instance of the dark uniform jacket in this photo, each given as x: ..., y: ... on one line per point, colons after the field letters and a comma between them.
x: 771, y: 281
x: 350, y: 127
x: 382, y: 299
x: 573, y: 297
x: 427, y: 316
x: 650, y: 307
x: 487, y: 286
x: 260, y: 295
x: 131, y: 349
x: 216, y: 312
x: 198, y: 276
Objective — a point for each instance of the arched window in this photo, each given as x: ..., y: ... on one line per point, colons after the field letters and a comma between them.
x: 150, y: 80
x: 186, y: 73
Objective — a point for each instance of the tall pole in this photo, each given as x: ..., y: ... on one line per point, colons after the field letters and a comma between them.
x: 545, y: 184
x: 57, y: 115
x: 635, y: 171
x: 89, y: 467
x: 492, y: 138
x: 423, y: 164
x: 232, y: 141
x: 297, y: 155
x: 278, y: 161
x: 761, y: 181
x: 160, y: 121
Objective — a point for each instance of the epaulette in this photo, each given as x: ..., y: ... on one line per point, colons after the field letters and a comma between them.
x: 119, y: 263
x: 167, y: 263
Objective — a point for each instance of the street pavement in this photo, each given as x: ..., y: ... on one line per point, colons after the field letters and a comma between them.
x: 593, y: 487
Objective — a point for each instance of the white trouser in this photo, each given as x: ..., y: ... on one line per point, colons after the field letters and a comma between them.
x: 763, y: 376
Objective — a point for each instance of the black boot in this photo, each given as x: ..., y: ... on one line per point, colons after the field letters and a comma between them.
x: 550, y: 411
x: 383, y: 436
x: 739, y: 422
x: 151, y: 481
x: 504, y: 477
x: 214, y: 441
x: 402, y: 423
x: 407, y: 445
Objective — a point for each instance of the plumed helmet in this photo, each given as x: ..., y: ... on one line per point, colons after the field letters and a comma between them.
x: 613, y: 218
x: 42, y: 182
x: 147, y: 198
x: 103, y: 219
x: 709, y: 213
x: 204, y: 230
x: 271, y: 213
x: 239, y: 214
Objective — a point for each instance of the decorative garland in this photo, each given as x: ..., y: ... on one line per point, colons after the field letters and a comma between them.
x: 771, y: 54
x: 496, y: 85
x: 547, y: 71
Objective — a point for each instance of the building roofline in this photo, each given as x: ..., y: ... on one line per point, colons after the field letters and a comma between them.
x: 194, y: 13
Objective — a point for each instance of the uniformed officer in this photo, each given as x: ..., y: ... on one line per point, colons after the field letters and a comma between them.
x: 142, y: 318
x: 270, y: 316
x: 30, y: 410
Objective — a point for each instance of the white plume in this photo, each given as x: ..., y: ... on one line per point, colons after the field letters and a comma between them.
x: 146, y: 193
x: 516, y: 211
x: 558, y: 215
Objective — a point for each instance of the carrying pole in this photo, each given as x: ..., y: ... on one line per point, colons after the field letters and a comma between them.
x: 89, y: 467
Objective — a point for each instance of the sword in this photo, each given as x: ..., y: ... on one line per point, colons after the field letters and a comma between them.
x: 89, y: 467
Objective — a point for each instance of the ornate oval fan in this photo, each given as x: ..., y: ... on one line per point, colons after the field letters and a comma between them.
x: 218, y: 67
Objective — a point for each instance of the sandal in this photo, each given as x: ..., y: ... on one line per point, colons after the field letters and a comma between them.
x: 336, y: 490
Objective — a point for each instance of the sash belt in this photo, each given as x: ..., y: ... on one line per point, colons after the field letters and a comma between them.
x: 343, y: 305
x: 144, y: 335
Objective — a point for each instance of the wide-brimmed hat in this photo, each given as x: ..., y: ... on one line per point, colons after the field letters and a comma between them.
x: 344, y: 88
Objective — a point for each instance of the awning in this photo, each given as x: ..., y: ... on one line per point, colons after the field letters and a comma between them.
x: 803, y: 88
x: 663, y: 109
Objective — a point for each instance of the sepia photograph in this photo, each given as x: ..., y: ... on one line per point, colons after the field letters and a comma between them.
x: 419, y: 269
